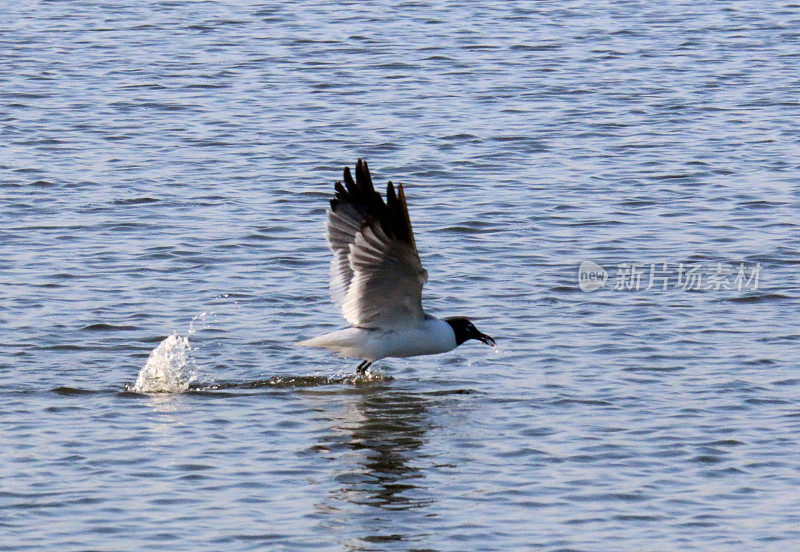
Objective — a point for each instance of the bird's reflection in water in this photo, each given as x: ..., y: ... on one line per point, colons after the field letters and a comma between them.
x: 380, y: 488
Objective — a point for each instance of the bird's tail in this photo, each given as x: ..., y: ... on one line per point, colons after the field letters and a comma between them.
x: 339, y: 342
x: 319, y: 342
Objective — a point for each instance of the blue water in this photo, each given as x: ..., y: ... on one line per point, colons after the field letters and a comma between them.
x: 165, y: 169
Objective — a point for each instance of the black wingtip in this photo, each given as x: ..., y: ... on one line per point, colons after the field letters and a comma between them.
x: 361, y: 196
x: 349, y: 182
x: 363, y: 178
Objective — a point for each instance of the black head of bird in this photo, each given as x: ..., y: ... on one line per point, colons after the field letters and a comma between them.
x: 465, y: 330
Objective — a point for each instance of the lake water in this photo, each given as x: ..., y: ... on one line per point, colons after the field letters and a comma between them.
x: 164, y: 173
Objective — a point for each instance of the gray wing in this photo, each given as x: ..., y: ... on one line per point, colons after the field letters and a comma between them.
x: 376, y: 274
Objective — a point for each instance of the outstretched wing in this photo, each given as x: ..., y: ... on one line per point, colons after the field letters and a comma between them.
x: 376, y: 274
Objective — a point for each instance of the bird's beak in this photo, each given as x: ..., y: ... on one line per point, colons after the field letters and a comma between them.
x: 486, y: 339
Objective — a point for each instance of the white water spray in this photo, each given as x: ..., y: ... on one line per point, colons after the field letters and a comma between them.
x: 166, y: 369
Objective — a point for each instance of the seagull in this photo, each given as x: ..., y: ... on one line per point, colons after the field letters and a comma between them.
x: 377, y: 279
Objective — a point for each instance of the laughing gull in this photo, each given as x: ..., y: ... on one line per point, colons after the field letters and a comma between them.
x: 377, y: 279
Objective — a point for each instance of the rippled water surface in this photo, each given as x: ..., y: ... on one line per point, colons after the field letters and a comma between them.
x: 164, y: 171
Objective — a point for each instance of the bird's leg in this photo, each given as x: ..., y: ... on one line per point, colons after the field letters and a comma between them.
x: 363, y: 367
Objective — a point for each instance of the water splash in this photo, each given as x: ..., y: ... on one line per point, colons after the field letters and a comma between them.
x: 204, y: 318
x: 166, y: 370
